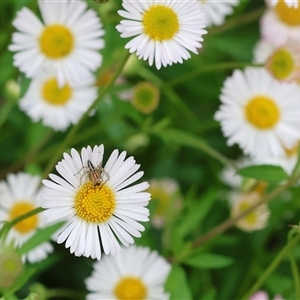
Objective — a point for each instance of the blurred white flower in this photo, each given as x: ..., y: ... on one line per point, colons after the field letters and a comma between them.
x: 259, y: 113
x: 69, y: 40
x: 135, y: 273
x: 19, y: 195
x: 57, y: 106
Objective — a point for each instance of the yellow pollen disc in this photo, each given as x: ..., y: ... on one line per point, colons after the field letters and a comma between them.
x: 28, y: 224
x: 288, y: 15
x: 281, y: 64
x: 250, y: 218
x: 53, y: 94
x: 95, y: 204
x: 262, y: 112
x: 56, y: 41
x: 130, y: 288
x: 160, y: 23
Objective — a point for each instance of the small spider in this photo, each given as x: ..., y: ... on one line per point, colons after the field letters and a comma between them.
x: 98, y: 176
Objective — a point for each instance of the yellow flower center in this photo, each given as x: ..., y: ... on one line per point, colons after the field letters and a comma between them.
x: 262, y: 112
x: 53, y: 94
x: 250, y: 218
x: 95, y: 204
x: 130, y: 288
x: 281, y: 64
x: 20, y: 208
x: 160, y: 23
x: 288, y: 15
x: 56, y: 41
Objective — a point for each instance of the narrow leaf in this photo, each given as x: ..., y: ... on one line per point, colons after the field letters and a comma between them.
x: 208, y: 261
x: 177, y: 284
x: 268, y: 173
x: 41, y: 236
x: 21, y: 281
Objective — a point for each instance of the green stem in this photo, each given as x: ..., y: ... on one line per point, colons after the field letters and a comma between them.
x: 69, y: 137
x: 294, y: 266
x: 187, y: 139
x: 5, y: 110
x: 5, y: 229
x: 231, y: 221
x: 210, y: 68
x: 291, y: 244
x: 64, y: 293
x: 238, y: 21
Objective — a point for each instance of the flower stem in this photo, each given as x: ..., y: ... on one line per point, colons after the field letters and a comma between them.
x: 69, y: 137
x: 293, y: 264
x: 5, y: 229
x: 291, y: 244
x: 231, y: 222
x: 210, y: 68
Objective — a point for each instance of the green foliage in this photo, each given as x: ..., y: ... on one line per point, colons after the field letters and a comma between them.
x: 267, y: 173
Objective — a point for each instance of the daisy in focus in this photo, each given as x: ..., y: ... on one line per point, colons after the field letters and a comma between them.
x: 164, y: 195
x: 101, y: 210
x: 57, y: 106
x: 255, y: 220
x: 216, y: 11
x: 289, y: 3
x: 19, y: 195
x: 281, y: 23
x: 259, y: 113
x: 69, y: 40
x: 163, y: 30
x: 135, y: 273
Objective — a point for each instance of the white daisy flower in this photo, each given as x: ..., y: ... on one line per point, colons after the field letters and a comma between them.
x: 135, y: 273
x: 164, y: 30
x: 289, y: 3
x: 280, y: 24
x: 99, y: 208
x: 19, y: 195
x: 57, y: 106
x: 259, y: 113
x: 255, y: 220
x: 283, y: 62
x: 216, y: 11
x: 69, y: 40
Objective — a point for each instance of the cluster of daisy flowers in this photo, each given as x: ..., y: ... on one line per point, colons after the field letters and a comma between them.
x: 60, y: 51
x: 260, y: 107
x: 59, y: 54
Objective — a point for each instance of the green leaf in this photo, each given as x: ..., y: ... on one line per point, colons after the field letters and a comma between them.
x: 41, y: 236
x: 184, y: 138
x: 208, y: 261
x: 177, y: 284
x: 197, y: 212
x: 268, y: 173
x: 21, y: 281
